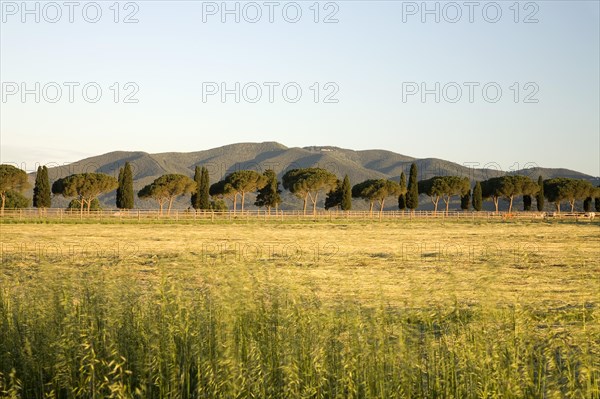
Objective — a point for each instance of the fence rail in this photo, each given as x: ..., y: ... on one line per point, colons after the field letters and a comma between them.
x: 199, y: 215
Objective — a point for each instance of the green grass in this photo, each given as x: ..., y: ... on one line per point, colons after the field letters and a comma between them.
x: 419, y: 309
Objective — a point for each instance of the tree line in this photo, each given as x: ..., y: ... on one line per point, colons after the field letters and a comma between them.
x: 304, y: 183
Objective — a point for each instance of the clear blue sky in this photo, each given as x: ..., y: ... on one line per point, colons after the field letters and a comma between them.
x: 370, y: 54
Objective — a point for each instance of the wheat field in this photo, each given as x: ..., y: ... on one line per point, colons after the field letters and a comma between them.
x: 392, y: 309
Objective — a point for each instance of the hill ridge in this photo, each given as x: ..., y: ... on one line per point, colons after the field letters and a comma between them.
x: 358, y: 164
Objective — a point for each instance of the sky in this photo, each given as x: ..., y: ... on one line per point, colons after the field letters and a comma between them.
x: 507, y: 83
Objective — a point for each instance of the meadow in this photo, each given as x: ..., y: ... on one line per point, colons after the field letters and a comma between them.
x: 251, y: 309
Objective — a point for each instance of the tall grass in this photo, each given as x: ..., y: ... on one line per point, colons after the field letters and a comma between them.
x: 107, y: 336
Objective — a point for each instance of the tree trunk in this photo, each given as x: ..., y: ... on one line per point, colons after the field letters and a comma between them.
x: 510, y: 203
x: 447, y: 202
x: 558, y: 206
x: 243, y: 199
x: 89, y: 205
x: 572, y: 203
x: 170, y: 205
x: 305, y: 200
x: 81, y: 206
x: 371, y: 208
x: 381, y: 209
x: 496, y: 203
x: 435, y: 203
x: 314, y: 200
x: 160, y: 206
x: 3, y: 202
x: 235, y: 203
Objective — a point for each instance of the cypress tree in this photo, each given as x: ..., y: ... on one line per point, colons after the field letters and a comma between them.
x: 334, y: 197
x: 203, y: 189
x: 47, y: 189
x: 346, y: 194
x: 119, y: 199
x: 587, y: 204
x: 539, y: 198
x: 127, y: 187
x: 477, y: 197
x: 465, y: 201
x: 402, y: 197
x: 412, y: 195
x: 527, y: 200
x: 196, y: 194
x: 41, y: 191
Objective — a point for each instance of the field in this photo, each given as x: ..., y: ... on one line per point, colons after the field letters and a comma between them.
x: 367, y: 309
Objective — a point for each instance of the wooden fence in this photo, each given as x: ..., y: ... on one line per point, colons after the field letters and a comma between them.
x: 59, y: 214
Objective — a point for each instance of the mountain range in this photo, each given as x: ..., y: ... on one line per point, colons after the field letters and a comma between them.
x: 358, y: 165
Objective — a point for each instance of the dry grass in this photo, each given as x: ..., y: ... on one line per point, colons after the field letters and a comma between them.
x: 301, y: 310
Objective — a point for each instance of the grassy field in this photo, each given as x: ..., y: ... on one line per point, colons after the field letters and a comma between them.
x: 421, y: 309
